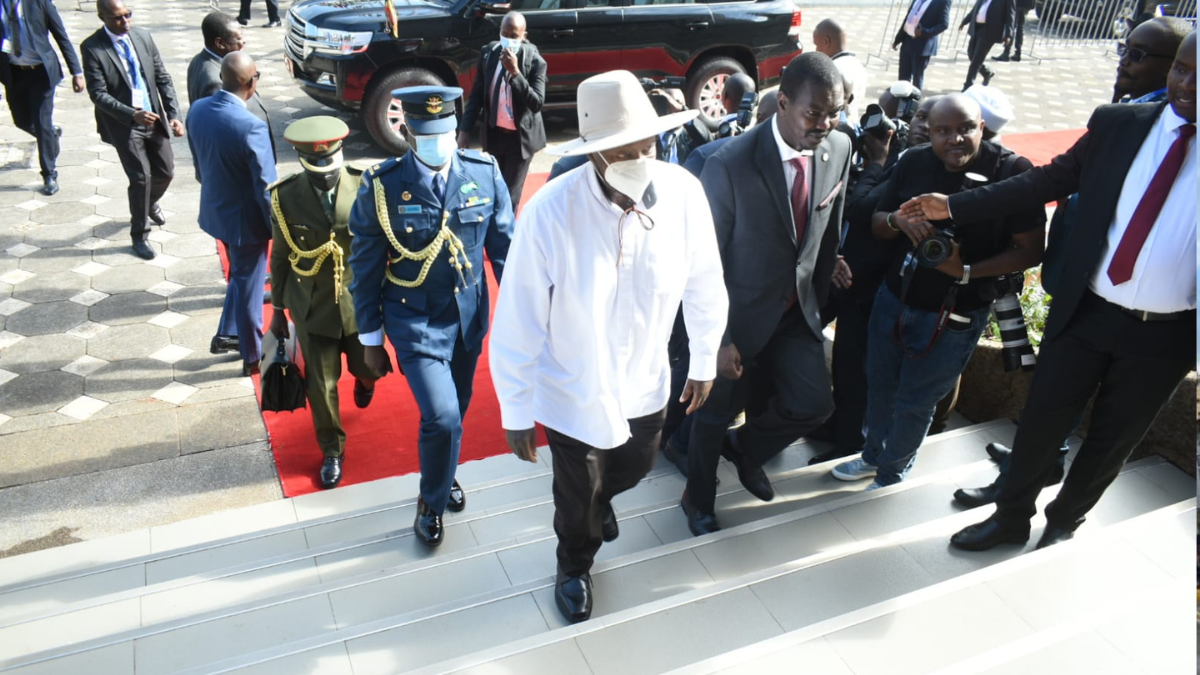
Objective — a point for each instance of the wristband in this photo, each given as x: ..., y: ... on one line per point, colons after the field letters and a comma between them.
x: 966, y: 277
x: 891, y: 227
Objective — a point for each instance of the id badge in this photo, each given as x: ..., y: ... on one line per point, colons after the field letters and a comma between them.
x: 139, y: 100
x: 6, y: 46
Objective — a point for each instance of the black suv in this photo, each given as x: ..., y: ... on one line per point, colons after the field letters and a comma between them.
x: 349, y: 54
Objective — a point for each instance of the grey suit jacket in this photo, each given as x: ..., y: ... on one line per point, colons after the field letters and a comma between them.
x: 764, y: 264
x: 204, y: 79
x: 42, y: 20
x: 108, y: 84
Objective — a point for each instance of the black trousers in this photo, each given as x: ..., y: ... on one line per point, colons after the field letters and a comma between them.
x: 585, y: 481
x: 149, y: 164
x: 792, y: 368
x: 978, y: 48
x: 850, y: 372
x: 913, y: 65
x: 31, y: 102
x: 505, y: 146
x: 1135, y: 365
x: 272, y: 10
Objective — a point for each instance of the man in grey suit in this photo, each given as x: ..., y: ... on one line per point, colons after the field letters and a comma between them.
x: 30, y: 72
x: 222, y: 35
x: 136, y: 112
x: 776, y: 194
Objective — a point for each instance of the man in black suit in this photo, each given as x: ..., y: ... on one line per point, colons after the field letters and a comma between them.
x: 136, y: 112
x: 272, y: 14
x: 1123, y: 322
x: 991, y: 21
x: 776, y: 193
x: 510, y: 87
x: 30, y: 72
x: 917, y: 39
x: 222, y: 35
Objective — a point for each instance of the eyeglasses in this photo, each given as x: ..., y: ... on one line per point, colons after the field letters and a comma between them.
x: 1136, y: 55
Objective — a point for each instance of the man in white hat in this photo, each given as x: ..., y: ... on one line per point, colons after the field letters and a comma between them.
x: 996, y: 109
x: 601, y: 259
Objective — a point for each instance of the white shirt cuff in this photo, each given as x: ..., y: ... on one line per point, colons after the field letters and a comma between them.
x: 372, y: 339
x: 516, y: 417
x: 702, y: 368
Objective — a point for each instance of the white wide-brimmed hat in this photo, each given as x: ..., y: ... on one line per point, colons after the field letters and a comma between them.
x: 614, y: 111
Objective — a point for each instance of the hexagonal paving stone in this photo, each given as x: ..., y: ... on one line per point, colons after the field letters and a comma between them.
x: 196, y: 271
x: 127, y: 279
x: 117, y: 208
x: 52, y: 287
x: 47, y: 319
x: 75, y: 158
x: 63, y: 212
x: 119, y: 253
x: 49, y: 260
x: 41, y: 353
x: 126, y: 308
x: 191, y: 246
x: 52, y: 236
x: 128, y: 380
x: 39, y: 393
x: 13, y: 217
x: 135, y: 341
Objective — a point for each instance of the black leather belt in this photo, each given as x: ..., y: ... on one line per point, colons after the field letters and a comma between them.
x: 1142, y: 315
x: 23, y: 67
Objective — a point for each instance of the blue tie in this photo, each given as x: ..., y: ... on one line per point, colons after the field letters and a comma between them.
x: 439, y: 187
x: 135, y: 77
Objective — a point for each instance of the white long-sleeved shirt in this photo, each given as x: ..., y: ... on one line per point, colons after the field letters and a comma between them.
x: 579, y: 340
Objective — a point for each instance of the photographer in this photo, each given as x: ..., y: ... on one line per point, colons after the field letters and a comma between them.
x: 738, y: 97
x: 930, y: 313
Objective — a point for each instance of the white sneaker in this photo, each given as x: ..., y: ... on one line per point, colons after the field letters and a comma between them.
x: 874, y: 486
x: 855, y: 469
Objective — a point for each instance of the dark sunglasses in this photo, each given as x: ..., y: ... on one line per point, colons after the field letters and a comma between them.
x: 1137, y: 55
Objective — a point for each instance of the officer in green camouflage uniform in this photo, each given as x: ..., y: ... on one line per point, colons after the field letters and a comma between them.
x: 311, y: 280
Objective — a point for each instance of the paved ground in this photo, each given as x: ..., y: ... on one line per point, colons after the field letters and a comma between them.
x: 113, y: 415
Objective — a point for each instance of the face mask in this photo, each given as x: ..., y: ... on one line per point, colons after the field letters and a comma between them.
x: 511, y: 44
x: 436, y: 150
x: 324, y: 181
x: 630, y: 177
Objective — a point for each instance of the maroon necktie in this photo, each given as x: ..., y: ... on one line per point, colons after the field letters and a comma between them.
x: 1120, y: 269
x: 800, y: 198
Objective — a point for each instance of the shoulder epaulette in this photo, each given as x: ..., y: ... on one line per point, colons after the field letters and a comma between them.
x: 477, y: 156
x: 283, y: 180
x: 357, y: 168
x: 381, y: 168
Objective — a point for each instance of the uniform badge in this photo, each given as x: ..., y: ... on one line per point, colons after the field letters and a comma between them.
x: 825, y: 157
x: 468, y: 187
x: 408, y: 209
x: 406, y: 195
x: 433, y: 105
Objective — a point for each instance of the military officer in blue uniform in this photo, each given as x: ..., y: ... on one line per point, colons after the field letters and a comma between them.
x: 420, y: 226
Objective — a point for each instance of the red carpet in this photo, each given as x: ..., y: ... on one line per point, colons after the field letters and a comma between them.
x: 381, y: 440
x: 1042, y: 146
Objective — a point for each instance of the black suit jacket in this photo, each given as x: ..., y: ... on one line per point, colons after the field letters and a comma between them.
x: 108, y: 85
x: 42, y: 20
x: 528, y: 93
x: 1001, y: 19
x: 934, y: 22
x: 764, y: 266
x: 204, y: 79
x: 1095, y: 168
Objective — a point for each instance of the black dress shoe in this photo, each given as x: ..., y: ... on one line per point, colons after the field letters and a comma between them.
x: 157, y: 215
x: 988, y: 74
x: 1053, y: 535
x: 428, y: 525
x: 222, y: 344
x: 331, y: 472
x: 1016, y: 57
x: 676, y: 456
x: 50, y: 187
x: 698, y: 523
x: 988, y: 534
x: 1004, y: 58
x: 362, y: 395
x: 974, y: 497
x: 458, y: 498
x: 836, y: 453
x: 608, y: 524
x: 573, y: 595
x: 244, y: 22
x: 142, y: 249
x: 998, y: 452
x: 751, y: 475
x: 272, y: 24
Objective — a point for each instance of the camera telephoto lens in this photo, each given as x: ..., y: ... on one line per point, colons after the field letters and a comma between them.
x: 1016, y: 351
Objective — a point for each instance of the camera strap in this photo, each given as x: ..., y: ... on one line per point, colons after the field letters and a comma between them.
x: 907, y: 272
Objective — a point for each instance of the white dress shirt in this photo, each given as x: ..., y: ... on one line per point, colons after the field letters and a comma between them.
x: 504, y: 104
x: 981, y: 15
x: 914, y: 17
x: 1162, y: 277
x: 375, y: 338
x: 579, y: 340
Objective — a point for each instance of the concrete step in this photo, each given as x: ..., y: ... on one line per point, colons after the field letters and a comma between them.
x: 340, y: 547
x: 404, y: 612
x: 1045, y: 613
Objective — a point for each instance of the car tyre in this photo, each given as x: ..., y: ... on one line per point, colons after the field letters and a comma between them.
x: 704, y: 88
x: 381, y: 113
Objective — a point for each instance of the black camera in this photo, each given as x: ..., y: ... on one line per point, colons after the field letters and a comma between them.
x: 876, y: 123
x: 934, y: 249
x: 744, y: 119
x: 662, y: 104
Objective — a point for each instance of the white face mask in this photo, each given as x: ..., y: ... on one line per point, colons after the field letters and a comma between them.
x: 630, y: 177
x: 435, y: 150
x: 511, y: 44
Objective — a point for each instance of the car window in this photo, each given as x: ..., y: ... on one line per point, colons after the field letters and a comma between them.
x: 639, y: 3
x: 535, y: 5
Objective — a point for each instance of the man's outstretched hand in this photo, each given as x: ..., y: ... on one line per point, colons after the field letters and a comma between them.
x: 932, y: 206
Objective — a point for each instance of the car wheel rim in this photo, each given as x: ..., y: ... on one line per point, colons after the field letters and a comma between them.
x: 710, y: 96
x: 395, y: 116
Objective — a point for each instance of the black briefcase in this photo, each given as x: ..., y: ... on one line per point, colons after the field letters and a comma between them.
x: 282, y: 384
